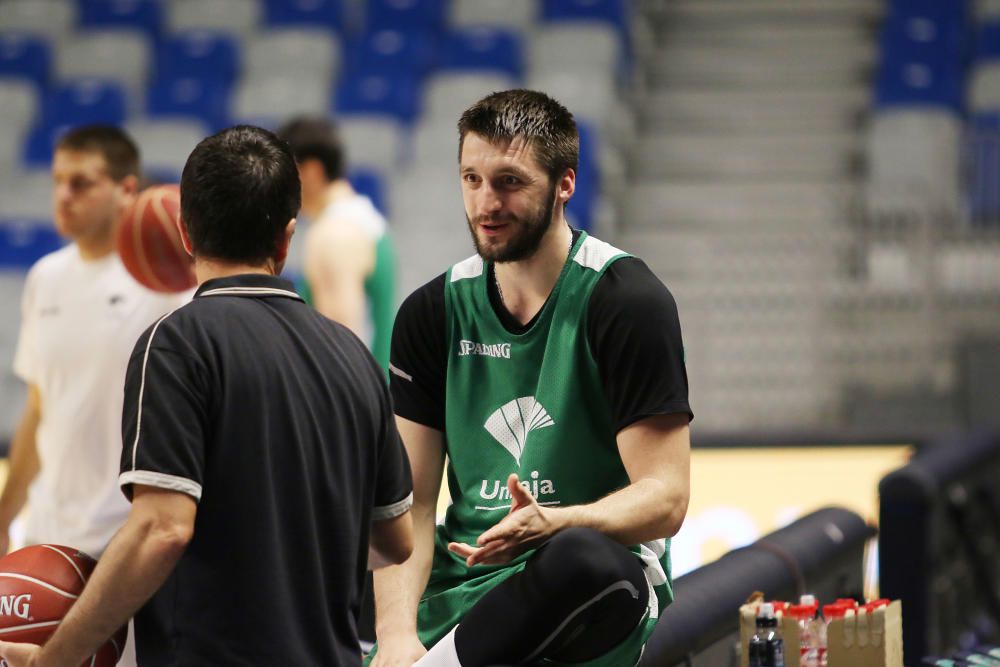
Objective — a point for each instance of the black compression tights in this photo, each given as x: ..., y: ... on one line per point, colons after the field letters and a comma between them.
x: 578, y: 597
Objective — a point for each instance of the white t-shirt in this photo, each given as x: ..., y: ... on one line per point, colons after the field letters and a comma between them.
x: 79, y: 322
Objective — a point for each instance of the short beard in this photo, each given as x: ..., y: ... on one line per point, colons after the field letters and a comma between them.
x: 525, y: 241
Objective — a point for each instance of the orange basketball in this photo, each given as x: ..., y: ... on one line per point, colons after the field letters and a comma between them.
x: 38, y: 585
x: 149, y: 241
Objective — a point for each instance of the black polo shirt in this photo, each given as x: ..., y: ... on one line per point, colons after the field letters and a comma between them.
x: 278, y: 422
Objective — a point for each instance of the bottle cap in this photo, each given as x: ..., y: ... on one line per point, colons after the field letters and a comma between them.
x: 766, y: 610
x: 847, y: 602
x: 834, y: 610
x: 801, y: 611
x: 808, y: 600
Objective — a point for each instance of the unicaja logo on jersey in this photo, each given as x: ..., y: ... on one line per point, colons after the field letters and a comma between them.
x: 512, y: 422
x: 15, y: 605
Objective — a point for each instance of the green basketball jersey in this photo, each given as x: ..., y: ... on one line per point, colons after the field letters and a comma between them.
x: 531, y: 404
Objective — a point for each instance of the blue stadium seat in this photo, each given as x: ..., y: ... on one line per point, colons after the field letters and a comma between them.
x: 920, y: 79
x: 305, y: 14
x: 379, y: 94
x: 588, y: 178
x: 984, y: 176
x: 25, y: 56
x: 988, y: 41
x: 391, y: 51
x: 192, y: 98
x: 415, y: 15
x: 143, y: 15
x: 483, y: 48
x: 198, y: 54
x: 614, y: 12
x: 369, y: 182
x: 23, y: 242
x: 939, y: 11
x: 85, y: 101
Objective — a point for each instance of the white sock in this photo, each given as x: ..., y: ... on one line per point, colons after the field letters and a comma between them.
x: 442, y: 654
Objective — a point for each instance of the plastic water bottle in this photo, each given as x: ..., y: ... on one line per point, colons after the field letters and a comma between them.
x: 767, y: 648
x: 804, y: 616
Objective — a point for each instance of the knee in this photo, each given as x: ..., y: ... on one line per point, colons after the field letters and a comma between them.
x: 583, y: 555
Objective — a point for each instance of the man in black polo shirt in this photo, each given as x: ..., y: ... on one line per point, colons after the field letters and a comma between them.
x: 260, y: 454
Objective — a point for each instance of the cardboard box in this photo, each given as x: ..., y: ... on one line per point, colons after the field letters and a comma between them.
x: 789, y: 632
x: 867, y: 640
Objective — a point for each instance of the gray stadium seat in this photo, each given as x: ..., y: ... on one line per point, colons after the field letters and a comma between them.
x: 447, y: 95
x: 19, y: 106
x: 372, y: 141
x: 587, y: 48
x: 276, y: 98
x: 240, y: 17
x: 516, y: 14
x: 166, y: 144
x: 290, y: 52
x: 27, y: 194
x: 50, y: 18
x: 107, y: 54
x: 984, y: 87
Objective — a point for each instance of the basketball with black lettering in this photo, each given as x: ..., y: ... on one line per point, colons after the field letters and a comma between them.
x: 149, y: 241
x: 38, y: 585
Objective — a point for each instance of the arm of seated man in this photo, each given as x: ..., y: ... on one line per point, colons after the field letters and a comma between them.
x: 656, y: 454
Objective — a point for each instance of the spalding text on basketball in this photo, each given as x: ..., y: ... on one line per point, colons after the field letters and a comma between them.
x: 15, y: 605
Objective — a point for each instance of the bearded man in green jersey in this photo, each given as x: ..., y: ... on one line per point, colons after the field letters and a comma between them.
x: 549, y: 369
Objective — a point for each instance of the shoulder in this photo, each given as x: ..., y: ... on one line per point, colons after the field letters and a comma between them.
x: 428, y: 297
x: 630, y: 286
x: 596, y: 254
x: 53, y: 264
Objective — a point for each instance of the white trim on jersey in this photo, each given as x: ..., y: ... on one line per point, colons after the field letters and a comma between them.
x: 401, y: 373
x: 595, y: 253
x: 392, y: 511
x: 161, y: 481
x: 250, y: 291
x: 467, y: 268
x: 142, y: 386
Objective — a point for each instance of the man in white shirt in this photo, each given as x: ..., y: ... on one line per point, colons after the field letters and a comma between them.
x: 81, y: 315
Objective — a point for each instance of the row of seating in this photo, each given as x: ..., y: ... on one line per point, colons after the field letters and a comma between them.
x: 156, y: 18
x: 934, y: 144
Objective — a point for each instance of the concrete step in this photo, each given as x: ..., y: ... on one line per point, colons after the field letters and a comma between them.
x: 790, y: 157
x: 751, y: 112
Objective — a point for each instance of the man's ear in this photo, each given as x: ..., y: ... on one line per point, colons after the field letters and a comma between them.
x: 281, y: 252
x: 566, y: 186
x: 185, y: 239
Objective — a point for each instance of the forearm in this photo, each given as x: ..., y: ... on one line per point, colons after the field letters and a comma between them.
x: 22, y: 468
x: 136, y: 563
x: 645, y: 510
x: 398, y: 588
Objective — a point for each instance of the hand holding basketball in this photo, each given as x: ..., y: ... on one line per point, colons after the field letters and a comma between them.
x: 18, y: 655
x: 38, y: 585
x: 149, y: 241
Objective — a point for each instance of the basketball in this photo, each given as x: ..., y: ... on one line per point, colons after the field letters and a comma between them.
x: 149, y: 241
x: 38, y: 585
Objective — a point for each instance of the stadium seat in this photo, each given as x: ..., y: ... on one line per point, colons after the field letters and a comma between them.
x: 368, y: 182
x: 586, y: 48
x: 199, y: 54
x: 292, y: 50
x: 391, y: 52
x: 482, y: 49
x: 919, y: 82
x: 434, y: 145
x: 142, y: 15
x: 25, y: 56
x: 984, y: 168
x: 988, y: 41
x: 987, y: 10
x: 164, y: 145
x: 447, y: 94
x: 52, y: 19
x: 372, y: 142
x: 409, y: 15
x: 85, y: 100
x: 25, y: 241
x: 118, y: 55
x: 588, y: 182
x: 984, y: 87
x: 913, y: 161
x: 27, y: 195
x: 512, y: 14
x: 613, y: 12
x: 190, y: 98
x: 272, y: 100
x: 375, y: 94
x: 237, y: 17
x: 18, y: 108
x: 326, y: 14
